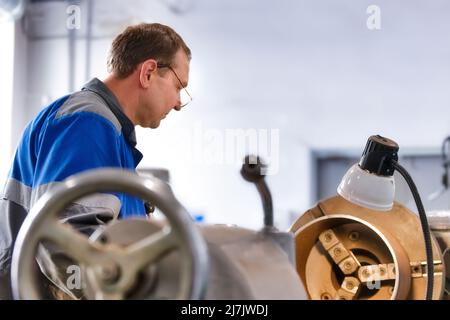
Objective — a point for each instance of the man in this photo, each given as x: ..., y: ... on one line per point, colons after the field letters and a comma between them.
x: 93, y: 128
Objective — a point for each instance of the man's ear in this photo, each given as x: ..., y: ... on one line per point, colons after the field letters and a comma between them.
x: 147, y: 70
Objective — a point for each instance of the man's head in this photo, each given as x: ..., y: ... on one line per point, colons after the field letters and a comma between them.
x: 153, y: 60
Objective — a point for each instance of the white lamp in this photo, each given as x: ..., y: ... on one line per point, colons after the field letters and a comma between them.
x: 370, y: 183
x: 367, y: 190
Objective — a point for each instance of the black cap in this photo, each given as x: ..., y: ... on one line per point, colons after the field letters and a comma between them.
x: 252, y: 168
x: 378, y: 156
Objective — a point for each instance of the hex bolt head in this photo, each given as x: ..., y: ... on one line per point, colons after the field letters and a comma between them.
x: 350, y: 285
x: 325, y: 296
x: 353, y: 236
x: 366, y: 273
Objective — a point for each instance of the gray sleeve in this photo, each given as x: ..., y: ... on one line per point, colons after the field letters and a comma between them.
x: 87, y: 213
x: 11, y: 218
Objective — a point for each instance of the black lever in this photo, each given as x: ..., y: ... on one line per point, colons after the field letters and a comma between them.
x: 251, y: 171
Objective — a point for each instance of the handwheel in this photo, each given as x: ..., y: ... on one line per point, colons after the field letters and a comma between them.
x: 111, y: 269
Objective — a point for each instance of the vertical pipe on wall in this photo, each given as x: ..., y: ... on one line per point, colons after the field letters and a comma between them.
x: 90, y: 12
x: 72, y: 52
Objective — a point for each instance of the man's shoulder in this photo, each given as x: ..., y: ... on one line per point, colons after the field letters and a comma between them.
x: 88, y: 104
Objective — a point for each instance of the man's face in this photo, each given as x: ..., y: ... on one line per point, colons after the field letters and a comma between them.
x: 163, y: 95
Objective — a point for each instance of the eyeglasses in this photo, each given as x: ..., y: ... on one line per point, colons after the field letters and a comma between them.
x: 185, y: 97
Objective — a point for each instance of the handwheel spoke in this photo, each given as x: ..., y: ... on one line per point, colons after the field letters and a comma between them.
x: 150, y: 249
x: 73, y: 243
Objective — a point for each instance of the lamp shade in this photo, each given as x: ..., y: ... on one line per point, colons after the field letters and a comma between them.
x: 367, y: 189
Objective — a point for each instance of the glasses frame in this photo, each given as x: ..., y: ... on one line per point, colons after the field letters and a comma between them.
x: 164, y: 65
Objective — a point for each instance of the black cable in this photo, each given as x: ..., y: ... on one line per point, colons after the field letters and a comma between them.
x: 425, y: 227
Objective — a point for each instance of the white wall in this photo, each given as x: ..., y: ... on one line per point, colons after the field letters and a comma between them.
x: 311, y: 69
x: 6, y: 93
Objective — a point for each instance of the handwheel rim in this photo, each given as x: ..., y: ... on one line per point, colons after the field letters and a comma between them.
x: 106, y: 180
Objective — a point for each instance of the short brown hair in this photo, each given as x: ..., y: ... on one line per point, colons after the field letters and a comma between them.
x: 141, y: 42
